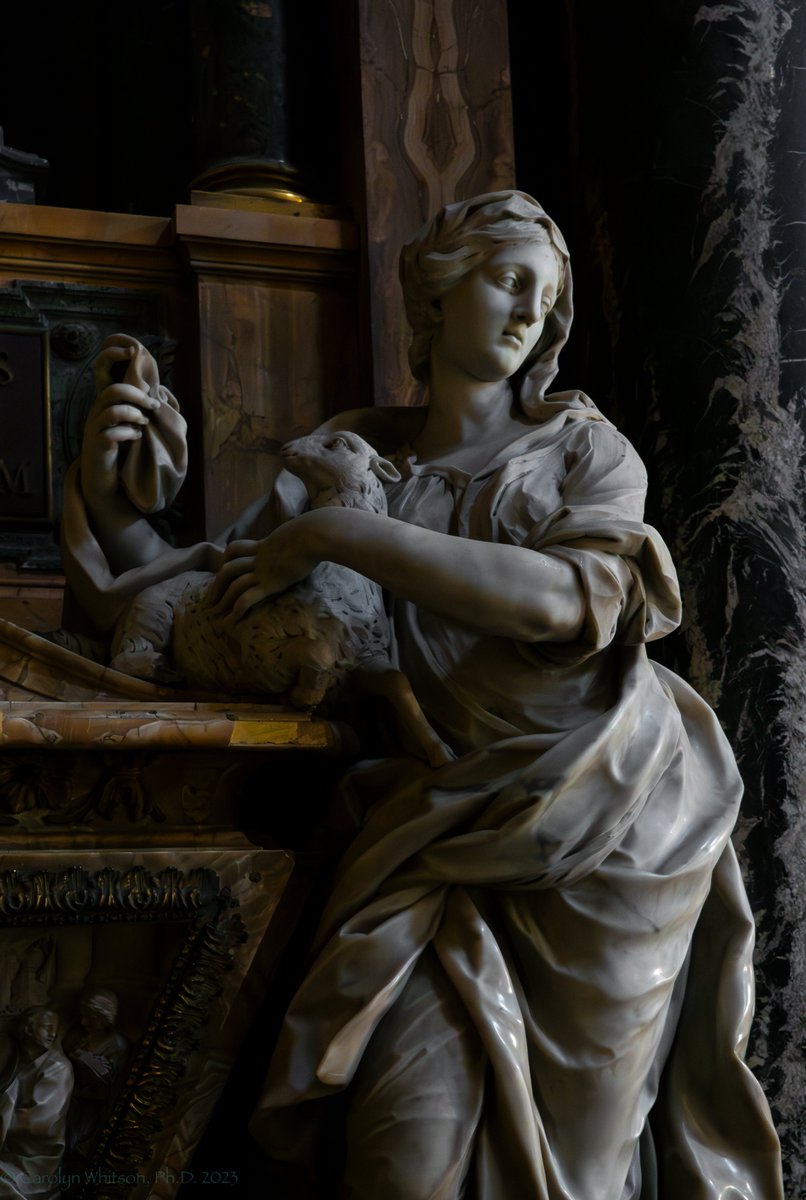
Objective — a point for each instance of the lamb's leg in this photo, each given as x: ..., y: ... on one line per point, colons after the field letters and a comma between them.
x: 144, y: 628
x: 379, y: 679
x: 144, y: 662
x: 316, y: 676
x: 311, y: 688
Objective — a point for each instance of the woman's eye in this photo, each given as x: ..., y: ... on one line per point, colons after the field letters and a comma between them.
x: 509, y: 281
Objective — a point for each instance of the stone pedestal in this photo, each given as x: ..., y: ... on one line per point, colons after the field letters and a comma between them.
x: 125, y: 868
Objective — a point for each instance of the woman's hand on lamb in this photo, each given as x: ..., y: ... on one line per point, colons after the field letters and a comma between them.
x: 509, y: 591
x: 252, y: 571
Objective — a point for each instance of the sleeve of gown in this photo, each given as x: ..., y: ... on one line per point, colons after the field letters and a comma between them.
x: 285, y: 497
x: 49, y: 1100
x: 152, y: 473
x: 627, y: 575
x: 100, y: 595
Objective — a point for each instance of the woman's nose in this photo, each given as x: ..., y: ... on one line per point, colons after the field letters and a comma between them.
x: 527, y: 307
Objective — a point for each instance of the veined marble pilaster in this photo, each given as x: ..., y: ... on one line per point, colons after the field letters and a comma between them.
x: 437, y: 127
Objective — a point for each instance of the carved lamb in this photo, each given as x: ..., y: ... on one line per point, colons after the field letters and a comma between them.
x: 302, y: 644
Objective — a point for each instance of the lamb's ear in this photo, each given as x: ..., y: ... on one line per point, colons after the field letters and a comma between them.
x: 384, y: 470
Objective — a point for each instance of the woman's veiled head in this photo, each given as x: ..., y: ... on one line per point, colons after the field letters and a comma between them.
x: 457, y: 241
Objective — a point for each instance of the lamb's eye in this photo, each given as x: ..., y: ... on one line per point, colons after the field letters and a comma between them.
x: 334, y: 443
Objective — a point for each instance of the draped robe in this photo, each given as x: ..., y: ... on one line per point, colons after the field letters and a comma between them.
x: 33, y: 1122
x: 566, y: 888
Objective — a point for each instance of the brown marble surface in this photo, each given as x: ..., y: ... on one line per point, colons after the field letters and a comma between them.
x: 31, y: 599
x: 105, y: 725
x: 39, y: 242
x: 85, y: 748
x: 437, y: 127
x: 278, y: 338
x: 31, y: 667
x: 266, y: 232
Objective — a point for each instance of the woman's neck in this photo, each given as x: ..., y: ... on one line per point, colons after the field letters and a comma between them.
x: 468, y: 421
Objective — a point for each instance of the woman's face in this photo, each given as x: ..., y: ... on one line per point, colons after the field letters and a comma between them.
x: 492, y: 319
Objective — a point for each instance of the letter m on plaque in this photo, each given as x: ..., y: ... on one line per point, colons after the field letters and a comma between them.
x: 25, y: 487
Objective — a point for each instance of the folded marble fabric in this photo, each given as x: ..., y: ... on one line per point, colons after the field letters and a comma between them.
x: 100, y: 593
x: 627, y: 576
x: 154, y: 467
x: 556, y: 877
x: 559, y: 893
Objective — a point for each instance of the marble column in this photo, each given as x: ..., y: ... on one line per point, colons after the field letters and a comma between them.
x: 241, y: 117
x: 690, y: 193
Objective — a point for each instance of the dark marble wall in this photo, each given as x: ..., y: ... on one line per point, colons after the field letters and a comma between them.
x: 684, y: 194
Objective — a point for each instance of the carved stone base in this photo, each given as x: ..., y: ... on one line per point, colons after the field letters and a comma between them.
x: 126, y: 874
x: 173, y: 933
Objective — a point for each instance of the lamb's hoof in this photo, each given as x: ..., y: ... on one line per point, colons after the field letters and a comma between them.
x: 310, y: 689
x: 304, y: 701
x: 146, y: 664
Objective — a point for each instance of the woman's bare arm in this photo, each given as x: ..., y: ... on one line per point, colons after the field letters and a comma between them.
x: 504, y: 590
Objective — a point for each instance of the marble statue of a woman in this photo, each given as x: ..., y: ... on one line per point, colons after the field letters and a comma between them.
x: 533, y: 979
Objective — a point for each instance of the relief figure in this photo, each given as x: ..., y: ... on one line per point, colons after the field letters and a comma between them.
x: 38, y: 1082
x: 97, y: 1051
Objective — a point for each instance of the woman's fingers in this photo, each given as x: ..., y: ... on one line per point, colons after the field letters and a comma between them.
x: 118, y: 417
x: 230, y: 573
x: 113, y: 426
x: 237, y: 588
x: 121, y: 433
x: 120, y: 414
x: 111, y: 355
x: 244, y: 548
x: 246, y: 601
x: 125, y: 393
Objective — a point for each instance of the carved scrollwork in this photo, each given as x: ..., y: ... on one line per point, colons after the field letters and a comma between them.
x: 172, y: 1036
x: 120, y: 790
x: 32, y: 781
x: 42, y: 784
x: 74, y: 340
x: 24, y: 893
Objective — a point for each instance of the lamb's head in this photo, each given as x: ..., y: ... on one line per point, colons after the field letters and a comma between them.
x: 340, y: 468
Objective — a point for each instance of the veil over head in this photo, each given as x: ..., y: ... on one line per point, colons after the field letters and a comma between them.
x: 456, y: 241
